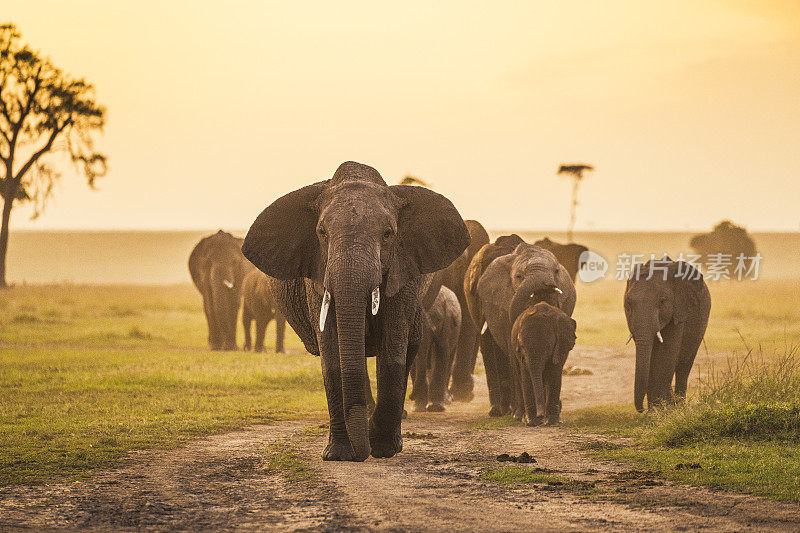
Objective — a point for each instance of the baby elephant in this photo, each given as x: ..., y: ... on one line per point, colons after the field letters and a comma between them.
x: 259, y: 305
x: 541, y: 339
x: 431, y: 372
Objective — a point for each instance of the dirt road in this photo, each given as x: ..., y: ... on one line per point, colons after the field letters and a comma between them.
x: 272, y: 477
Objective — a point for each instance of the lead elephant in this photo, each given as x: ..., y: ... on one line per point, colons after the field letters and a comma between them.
x: 667, y: 305
x: 349, y: 259
x: 440, y: 334
x: 462, y: 384
x: 258, y: 305
x: 510, y: 284
x: 218, y: 269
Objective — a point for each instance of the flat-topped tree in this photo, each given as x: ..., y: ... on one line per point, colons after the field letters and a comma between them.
x: 575, y: 171
x: 47, y: 120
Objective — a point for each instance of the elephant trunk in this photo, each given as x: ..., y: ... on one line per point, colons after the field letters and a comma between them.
x: 644, y: 352
x: 531, y: 291
x: 538, y: 391
x: 351, y: 288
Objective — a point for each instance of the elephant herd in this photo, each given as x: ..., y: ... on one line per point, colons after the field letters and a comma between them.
x: 359, y: 268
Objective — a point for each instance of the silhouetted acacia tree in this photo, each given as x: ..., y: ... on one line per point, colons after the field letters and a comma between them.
x: 575, y: 171
x: 47, y: 118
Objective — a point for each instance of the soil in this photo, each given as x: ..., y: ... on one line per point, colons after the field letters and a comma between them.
x: 437, y: 483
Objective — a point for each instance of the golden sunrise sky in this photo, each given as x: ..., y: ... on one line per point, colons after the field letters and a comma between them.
x: 689, y: 109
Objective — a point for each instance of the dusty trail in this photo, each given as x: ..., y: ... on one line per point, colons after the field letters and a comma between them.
x: 272, y: 477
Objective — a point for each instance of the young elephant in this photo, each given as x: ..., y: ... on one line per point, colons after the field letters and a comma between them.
x: 667, y: 305
x: 541, y: 340
x: 258, y: 305
x: 442, y: 325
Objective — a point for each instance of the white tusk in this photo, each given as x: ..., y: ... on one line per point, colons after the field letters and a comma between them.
x: 323, y: 312
x: 559, y: 291
x: 629, y: 339
x: 376, y: 300
x: 227, y: 284
x: 483, y: 330
x: 660, y: 338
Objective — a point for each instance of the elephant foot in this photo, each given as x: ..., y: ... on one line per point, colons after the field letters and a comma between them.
x: 519, y: 414
x: 384, y: 447
x: 436, y: 408
x: 338, y: 450
x: 534, y: 421
x: 258, y: 349
x: 419, y: 407
x: 554, y: 421
x: 458, y: 395
x: 246, y: 348
x: 497, y: 411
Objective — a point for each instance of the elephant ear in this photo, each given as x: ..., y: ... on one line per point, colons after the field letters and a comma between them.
x: 565, y: 339
x: 430, y: 235
x: 282, y: 242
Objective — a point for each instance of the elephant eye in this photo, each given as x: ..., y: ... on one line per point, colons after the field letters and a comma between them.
x: 322, y: 232
x: 387, y: 234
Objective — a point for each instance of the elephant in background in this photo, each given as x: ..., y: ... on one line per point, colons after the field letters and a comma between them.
x: 218, y: 269
x: 726, y: 238
x: 349, y: 259
x: 510, y: 284
x: 463, y: 366
x: 667, y: 305
x: 541, y: 339
x: 568, y: 255
x: 440, y: 335
x: 258, y: 305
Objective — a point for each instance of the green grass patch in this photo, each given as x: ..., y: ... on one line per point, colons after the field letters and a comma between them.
x: 282, y: 459
x: 519, y: 475
x: 78, y: 395
x: 494, y: 422
x: 740, y: 432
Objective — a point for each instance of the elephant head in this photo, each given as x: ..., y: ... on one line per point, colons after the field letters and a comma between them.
x: 359, y: 240
x: 542, y: 335
x: 503, y: 245
x: 536, y: 275
x: 656, y: 298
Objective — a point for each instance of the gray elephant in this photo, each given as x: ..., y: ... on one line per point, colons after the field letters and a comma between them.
x: 440, y: 335
x: 218, y: 269
x: 541, y: 340
x: 667, y: 305
x: 258, y: 305
x: 349, y: 259
x: 510, y: 284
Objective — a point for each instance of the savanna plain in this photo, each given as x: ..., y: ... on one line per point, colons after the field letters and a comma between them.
x: 114, y: 415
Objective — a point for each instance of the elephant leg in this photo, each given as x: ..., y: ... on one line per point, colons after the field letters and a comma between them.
x: 688, y: 352
x: 462, y: 384
x: 440, y: 373
x: 553, y: 387
x: 280, y: 334
x: 214, y: 341
x: 339, y: 447
x: 528, y: 396
x: 261, y: 332
x: 517, y: 402
x: 419, y: 379
x: 662, y: 367
x: 489, y: 353
x: 401, y: 340
x: 246, y: 323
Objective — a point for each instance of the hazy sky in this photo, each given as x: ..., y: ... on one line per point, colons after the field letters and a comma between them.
x: 689, y: 109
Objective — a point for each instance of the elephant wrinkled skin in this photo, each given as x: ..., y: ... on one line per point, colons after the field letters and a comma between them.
x: 349, y: 259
